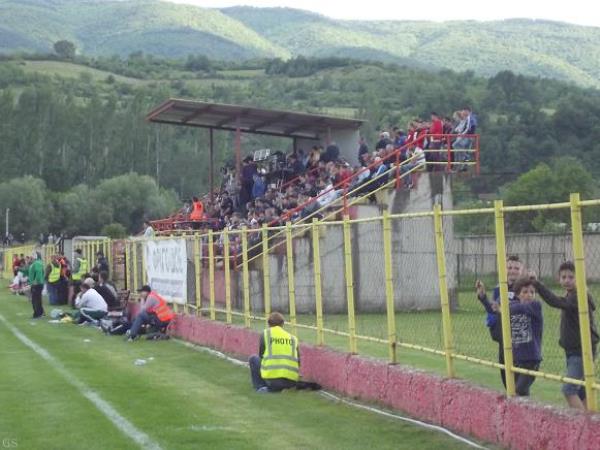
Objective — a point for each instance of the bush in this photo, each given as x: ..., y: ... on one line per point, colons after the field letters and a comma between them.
x: 114, y: 231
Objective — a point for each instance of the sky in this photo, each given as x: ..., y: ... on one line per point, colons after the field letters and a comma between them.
x: 573, y: 11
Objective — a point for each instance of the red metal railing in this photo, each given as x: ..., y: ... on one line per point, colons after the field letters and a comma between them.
x: 344, y: 183
x: 396, y: 154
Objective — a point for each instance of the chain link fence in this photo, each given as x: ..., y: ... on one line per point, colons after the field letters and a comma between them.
x: 395, y: 286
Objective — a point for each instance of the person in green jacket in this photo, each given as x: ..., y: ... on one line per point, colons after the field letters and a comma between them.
x: 36, y: 280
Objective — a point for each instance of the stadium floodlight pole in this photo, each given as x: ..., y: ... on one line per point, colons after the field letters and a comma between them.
x: 504, y: 306
x: 7, y: 215
x: 582, y: 303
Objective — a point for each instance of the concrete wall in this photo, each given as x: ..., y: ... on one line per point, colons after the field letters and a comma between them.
x: 516, y: 423
x: 542, y: 253
x: 347, y: 141
x: 413, y: 253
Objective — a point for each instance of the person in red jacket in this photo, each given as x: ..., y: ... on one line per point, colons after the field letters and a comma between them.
x: 155, y: 311
x: 436, y: 129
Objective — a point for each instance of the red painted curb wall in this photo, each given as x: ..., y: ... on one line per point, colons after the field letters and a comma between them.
x: 457, y: 405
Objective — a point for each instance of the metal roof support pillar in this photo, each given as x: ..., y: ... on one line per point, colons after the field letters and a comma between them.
x: 212, y: 162
x: 238, y: 150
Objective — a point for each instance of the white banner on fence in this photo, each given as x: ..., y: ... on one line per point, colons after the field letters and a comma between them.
x: 166, y: 267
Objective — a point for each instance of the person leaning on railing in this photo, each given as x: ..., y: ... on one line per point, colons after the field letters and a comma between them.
x: 570, y: 338
x: 527, y: 323
x: 514, y: 270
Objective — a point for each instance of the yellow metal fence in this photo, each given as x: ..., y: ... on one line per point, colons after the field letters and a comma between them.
x: 387, y: 286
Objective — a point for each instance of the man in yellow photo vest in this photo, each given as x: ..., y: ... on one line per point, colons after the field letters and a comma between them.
x: 277, y: 365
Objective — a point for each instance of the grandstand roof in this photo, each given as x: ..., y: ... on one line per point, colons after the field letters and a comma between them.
x: 271, y: 122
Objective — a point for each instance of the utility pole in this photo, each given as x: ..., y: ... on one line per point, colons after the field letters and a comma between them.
x: 7, y: 213
x: 157, y: 149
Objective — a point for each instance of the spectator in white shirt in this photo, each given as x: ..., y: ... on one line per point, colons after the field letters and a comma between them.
x: 148, y: 230
x: 90, y: 303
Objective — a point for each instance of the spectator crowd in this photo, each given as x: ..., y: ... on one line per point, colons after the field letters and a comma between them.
x: 273, y: 188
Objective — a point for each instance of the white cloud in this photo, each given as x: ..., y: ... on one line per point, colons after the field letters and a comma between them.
x: 574, y: 11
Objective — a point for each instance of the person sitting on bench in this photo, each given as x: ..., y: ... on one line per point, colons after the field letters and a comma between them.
x: 155, y: 312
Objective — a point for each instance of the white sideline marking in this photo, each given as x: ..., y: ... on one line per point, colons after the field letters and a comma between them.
x: 331, y: 396
x: 141, y: 438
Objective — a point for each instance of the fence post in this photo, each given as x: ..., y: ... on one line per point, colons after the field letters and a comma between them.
x: 246, y: 277
x: 398, y: 170
x: 144, y: 273
x: 504, y: 306
x: 349, y: 285
x: 86, y: 252
x: 227, y: 269
x: 477, y: 157
x: 197, y: 273
x: 127, y: 263
x: 317, y: 278
x: 582, y: 303
x: 291, y: 278
x: 266, y: 271
x: 449, y: 143
x: 389, y: 287
x: 211, y: 274
x: 443, y: 283
x: 134, y: 282
x: 109, y: 255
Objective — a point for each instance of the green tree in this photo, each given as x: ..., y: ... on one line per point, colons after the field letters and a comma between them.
x: 547, y: 184
x: 134, y: 198
x: 65, y: 49
x: 29, y: 203
x: 79, y: 214
x: 114, y: 231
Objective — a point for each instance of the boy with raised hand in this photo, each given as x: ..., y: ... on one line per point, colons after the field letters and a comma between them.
x: 570, y: 338
x: 526, y: 323
x: 514, y: 270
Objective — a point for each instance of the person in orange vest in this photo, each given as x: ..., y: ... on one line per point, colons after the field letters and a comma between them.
x: 197, y: 210
x: 155, y: 312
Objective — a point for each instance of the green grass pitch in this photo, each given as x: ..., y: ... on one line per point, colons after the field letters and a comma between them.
x: 181, y: 399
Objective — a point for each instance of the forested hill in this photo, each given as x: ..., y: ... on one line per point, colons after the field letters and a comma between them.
x: 75, y: 126
x: 539, y: 48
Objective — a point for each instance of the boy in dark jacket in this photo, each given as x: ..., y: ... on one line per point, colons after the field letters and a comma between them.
x: 514, y: 270
x: 526, y: 324
x: 570, y: 339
